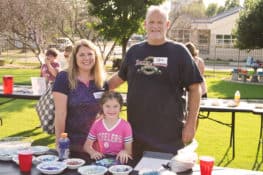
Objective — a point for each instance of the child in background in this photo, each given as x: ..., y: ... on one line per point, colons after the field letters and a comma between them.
x: 50, y: 69
x: 113, y: 134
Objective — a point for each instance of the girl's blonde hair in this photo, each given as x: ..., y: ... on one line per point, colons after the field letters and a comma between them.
x: 98, y: 71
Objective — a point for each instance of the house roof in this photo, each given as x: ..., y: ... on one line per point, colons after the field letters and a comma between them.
x: 219, y: 16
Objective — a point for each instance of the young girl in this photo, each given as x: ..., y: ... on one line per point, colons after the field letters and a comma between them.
x: 113, y: 134
x: 50, y: 68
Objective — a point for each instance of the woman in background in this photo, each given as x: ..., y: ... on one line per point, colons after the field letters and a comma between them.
x: 200, y: 64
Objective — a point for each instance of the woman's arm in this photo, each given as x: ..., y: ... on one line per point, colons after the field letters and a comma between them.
x: 60, y: 101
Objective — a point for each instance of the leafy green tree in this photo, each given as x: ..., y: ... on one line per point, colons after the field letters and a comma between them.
x: 231, y: 4
x: 119, y: 19
x: 195, y: 9
x: 214, y: 9
x: 220, y: 9
x: 249, y: 27
x: 211, y: 9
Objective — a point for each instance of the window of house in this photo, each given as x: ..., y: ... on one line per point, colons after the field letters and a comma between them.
x: 181, y: 35
x: 204, y: 37
x: 203, y: 41
x: 225, y: 41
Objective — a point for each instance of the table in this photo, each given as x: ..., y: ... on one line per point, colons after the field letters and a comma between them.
x: 20, y: 92
x: 9, y: 167
x: 222, y: 105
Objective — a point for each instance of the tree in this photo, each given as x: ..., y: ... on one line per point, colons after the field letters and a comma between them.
x: 28, y: 22
x: 231, y: 4
x: 214, y: 9
x: 183, y: 10
x: 119, y: 19
x: 249, y: 26
x: 211, y: 9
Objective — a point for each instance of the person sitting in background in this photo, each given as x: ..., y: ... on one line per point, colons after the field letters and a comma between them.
x: 76, y: 92
x: 50, y: 68
x: 113, y: 134
x: 200, y: 64
x: 64, y: 62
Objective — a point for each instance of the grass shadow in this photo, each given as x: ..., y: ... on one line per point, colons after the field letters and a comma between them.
x: 225, y: 161
x: 11, y: 104
x: 49, y: 139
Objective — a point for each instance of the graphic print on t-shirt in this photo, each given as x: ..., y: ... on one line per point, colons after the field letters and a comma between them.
x: 150, y: 65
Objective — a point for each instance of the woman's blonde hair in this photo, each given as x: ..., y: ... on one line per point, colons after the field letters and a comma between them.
x: 98, y: 71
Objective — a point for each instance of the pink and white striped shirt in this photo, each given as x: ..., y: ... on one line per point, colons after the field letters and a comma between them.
x: 111, y: 140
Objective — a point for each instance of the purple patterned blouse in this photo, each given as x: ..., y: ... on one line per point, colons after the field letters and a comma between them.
x: 82, y: 108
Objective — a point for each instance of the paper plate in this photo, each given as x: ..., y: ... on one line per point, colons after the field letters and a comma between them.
x: 6, y: 155
x: 38, y: 150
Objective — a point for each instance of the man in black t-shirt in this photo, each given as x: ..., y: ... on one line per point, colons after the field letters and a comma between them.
x: 157, y: 71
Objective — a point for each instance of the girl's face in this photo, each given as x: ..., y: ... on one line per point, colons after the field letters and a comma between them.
x: 111, y: 108
x: 85, y: 58
x: 50, y: 58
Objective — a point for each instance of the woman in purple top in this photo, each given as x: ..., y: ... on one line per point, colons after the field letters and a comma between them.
x: 76, y: 93
x: 50, y: 68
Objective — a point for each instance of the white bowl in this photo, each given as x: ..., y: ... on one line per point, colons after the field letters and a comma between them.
x: 120, y: 169
x: 38, y: 150
x: 183, y: 162
x: 92, y: 170
x: 47, y: 158
x: 15, y: 143
x: 74, y: 163
x: 6, y: 155
x: 51, y: 167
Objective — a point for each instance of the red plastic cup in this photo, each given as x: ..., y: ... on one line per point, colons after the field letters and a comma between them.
x: 25, y: 160
x: 206, y: 165
x: 8, y: 84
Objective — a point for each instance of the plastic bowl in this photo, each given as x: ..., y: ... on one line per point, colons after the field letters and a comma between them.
x: 15, y: 142
x: 92, y: 170
x: 51, y: 167
x: 120, y: 169
x: 74, y: 163
x: 47, y: 158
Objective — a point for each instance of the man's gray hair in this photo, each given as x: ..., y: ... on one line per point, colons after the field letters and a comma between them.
x: 157, y: 8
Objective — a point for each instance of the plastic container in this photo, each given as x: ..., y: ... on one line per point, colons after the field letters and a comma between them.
x: 8, y: 84
x: 63, y: 146
x: 237, y: 97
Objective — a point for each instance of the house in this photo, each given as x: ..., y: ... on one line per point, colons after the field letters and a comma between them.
x: 213, y: 36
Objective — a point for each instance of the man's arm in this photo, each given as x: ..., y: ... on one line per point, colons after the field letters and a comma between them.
x: 194, y: 96
x: 115, y: 81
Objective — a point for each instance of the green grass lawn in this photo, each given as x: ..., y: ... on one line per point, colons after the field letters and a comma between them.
x: 20, y: 118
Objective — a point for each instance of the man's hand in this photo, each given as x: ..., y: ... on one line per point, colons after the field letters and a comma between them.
x: 188, y: 133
